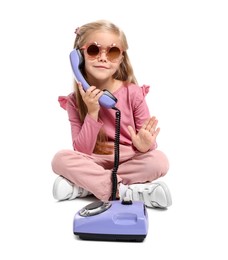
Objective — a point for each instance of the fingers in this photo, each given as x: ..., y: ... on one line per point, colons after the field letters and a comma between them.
x: 92, y: 93
x: 151, y: 126
x: 156, y: 132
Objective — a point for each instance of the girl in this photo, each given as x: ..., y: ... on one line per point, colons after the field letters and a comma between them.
x: 87, y: 169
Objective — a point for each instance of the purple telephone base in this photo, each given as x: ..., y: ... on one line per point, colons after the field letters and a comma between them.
x: 113, y: 220
x: 107, y: 100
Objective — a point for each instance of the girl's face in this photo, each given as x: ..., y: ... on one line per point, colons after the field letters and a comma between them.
x: 102, y: 62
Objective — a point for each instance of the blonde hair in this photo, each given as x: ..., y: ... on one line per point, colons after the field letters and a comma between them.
x: 124, y: 73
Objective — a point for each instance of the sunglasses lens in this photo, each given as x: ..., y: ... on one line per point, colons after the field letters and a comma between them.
x: 113, y: 53
x: 93, y: 50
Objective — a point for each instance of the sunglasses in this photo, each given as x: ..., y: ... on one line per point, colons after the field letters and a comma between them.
x: 94, y: 50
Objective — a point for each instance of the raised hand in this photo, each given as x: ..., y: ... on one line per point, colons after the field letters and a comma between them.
x: 146, y: 136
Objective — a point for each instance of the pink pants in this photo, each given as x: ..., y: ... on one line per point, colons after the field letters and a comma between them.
x: 94, y: 173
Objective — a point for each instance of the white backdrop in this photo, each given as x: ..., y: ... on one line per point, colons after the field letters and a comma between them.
x: 179, y: 48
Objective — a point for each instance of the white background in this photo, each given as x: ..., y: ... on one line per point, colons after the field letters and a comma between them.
x: 179, y: 48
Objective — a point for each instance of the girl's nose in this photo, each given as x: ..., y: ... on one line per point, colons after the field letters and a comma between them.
x: 102, y: 56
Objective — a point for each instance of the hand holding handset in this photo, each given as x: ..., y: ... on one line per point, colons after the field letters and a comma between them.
x: 107, y: 100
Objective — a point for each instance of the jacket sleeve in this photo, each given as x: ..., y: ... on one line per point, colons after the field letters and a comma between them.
x: 84, y: 134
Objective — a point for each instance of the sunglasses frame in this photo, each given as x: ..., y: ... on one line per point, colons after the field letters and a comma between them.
x: 101, y: 49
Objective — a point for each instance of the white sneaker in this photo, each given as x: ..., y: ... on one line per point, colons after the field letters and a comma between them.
x: 63, y: 189
x: 153, y: 194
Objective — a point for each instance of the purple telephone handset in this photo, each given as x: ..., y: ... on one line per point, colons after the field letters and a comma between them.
x: 107, y: 100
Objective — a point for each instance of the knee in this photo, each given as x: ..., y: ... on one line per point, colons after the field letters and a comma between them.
x: 59, y: 160
x: 161, y: 161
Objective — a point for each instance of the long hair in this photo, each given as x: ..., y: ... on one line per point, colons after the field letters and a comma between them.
x: 124, y: 73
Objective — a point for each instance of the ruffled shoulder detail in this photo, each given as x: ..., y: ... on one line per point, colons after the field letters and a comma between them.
x: 145, y: 89
x: 63, y: 101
